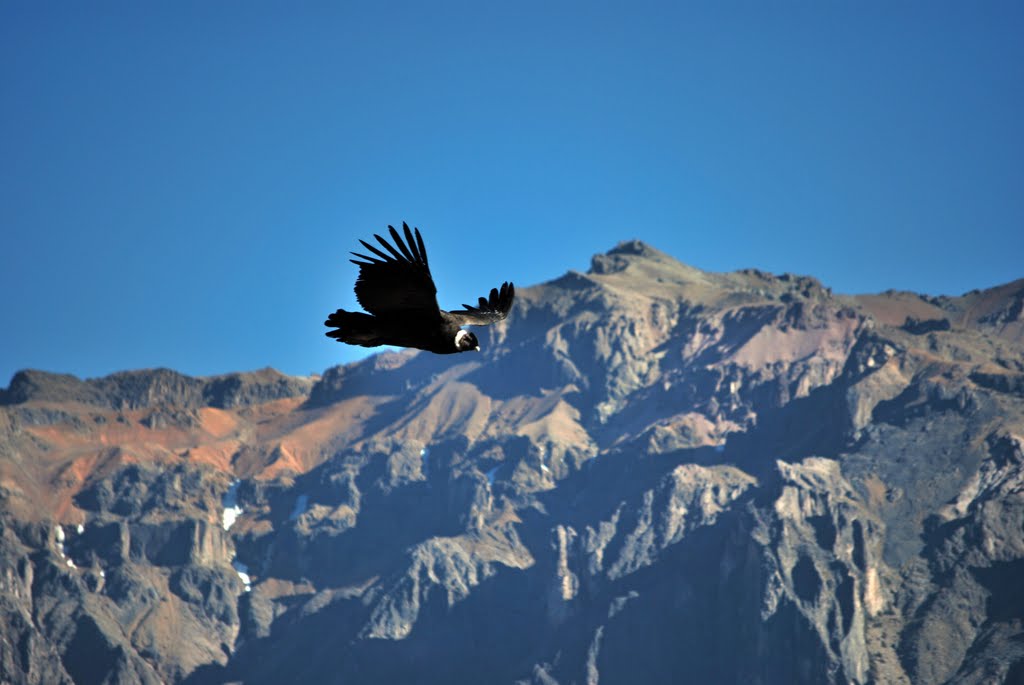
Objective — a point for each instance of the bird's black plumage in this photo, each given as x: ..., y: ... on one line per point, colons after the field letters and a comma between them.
x: 396, y: 289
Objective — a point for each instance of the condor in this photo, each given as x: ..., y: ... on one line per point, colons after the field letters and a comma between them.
x: 397, y: 290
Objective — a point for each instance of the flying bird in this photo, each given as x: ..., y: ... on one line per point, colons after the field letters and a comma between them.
x: 397, y: 290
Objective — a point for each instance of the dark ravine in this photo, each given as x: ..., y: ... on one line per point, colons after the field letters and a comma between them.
x: 653, y: 474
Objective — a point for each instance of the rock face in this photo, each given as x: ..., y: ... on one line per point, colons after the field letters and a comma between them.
x: 651, y: 474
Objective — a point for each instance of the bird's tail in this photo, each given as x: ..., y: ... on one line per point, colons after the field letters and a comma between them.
x: 354, y: 328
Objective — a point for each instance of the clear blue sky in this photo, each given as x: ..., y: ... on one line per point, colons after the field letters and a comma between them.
x: 180, y: 182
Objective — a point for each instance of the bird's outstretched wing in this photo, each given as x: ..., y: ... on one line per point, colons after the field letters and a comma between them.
x: 489, y: 310
x: 396, y: 282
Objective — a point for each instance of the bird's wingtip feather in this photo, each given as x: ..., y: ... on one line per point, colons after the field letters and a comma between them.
x: 400, y: 244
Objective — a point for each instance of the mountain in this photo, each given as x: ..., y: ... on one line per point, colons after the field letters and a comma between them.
x: 650, y: 474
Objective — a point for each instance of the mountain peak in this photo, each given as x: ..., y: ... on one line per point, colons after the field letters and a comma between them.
x: 630, y: 252
x: 635, y: 247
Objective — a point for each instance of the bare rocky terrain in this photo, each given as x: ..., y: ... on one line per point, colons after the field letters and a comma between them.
x: 652, y: 474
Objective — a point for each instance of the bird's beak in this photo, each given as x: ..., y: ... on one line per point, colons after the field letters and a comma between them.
x: 476, y: 349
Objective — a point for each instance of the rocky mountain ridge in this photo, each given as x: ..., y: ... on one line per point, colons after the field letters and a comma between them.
x: 651, y: 474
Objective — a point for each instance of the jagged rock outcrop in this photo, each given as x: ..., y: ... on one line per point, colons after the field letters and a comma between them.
x: 130, y: 390
x: 823, y: 549
x: 651, y: 474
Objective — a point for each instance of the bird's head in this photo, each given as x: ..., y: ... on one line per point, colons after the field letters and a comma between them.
x: 466, y: 341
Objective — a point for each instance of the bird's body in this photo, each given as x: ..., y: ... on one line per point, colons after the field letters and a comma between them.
x: 398, y: 292
x: 433, y: 334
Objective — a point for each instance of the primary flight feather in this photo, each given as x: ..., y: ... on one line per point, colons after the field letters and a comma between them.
x: 396, y: 289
